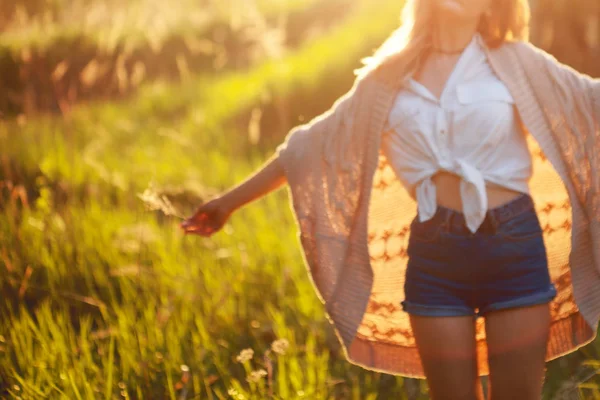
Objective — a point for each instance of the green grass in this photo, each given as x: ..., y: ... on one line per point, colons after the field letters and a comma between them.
x: 103, y: 144
x: 108, y: 22
x: 119, y: 272
x: 104, y: 296
x: 105, y: 299
x: 103, y: 49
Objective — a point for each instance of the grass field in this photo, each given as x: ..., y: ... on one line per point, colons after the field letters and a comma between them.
x: 102, y: 296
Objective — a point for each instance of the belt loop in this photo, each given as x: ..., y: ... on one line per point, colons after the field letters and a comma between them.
x: 451, y: 216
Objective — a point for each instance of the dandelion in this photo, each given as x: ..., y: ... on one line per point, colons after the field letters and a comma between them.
x: 279, y: 346
x: 158, y: 202
x: 245, y: 355
x: 257, y: 375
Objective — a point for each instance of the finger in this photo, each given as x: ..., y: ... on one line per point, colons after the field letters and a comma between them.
x: 200, y: 230
x: 196, y: 216
x: 195, y: 219
x: 199, y: 233
x: 193, y: 228
x: 193, y: 231
x: 188, y: 224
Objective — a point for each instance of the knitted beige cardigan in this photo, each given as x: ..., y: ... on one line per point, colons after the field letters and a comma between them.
x: 353, y: 214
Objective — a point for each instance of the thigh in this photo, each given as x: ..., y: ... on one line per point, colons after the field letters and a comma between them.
x: 448, y: 352
x: 517, y: 341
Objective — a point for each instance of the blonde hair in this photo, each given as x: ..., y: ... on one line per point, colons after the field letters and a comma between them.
x: 509, y: 20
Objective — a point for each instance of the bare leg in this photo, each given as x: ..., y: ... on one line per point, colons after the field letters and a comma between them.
x: 517, y: 340
x: 447, y: 349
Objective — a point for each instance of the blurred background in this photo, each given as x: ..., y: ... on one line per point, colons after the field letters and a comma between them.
x: 118, y: 118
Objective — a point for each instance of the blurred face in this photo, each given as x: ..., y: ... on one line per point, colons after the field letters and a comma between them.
x: 461, y: 9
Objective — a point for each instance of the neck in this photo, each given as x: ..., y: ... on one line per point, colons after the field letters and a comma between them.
x: 450, y: 35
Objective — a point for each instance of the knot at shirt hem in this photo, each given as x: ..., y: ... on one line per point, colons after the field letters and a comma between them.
x: 472, y: 191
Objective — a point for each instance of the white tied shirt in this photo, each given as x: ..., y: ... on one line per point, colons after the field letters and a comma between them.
x: 472, y: 130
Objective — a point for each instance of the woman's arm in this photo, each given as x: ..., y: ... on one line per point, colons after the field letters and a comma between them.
x: 212, y: 215
x: 291, y: 163
x: 267, y: 178
x: 299, y: 140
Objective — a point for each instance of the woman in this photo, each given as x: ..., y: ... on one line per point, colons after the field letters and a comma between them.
x: 457, y: 119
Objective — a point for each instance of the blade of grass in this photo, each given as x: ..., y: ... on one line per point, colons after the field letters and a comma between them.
x: 109, y: 372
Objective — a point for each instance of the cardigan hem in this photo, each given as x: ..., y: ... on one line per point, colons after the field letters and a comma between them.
x: 569, y: 334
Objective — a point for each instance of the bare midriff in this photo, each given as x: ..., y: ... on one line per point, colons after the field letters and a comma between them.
x: 448, y: 192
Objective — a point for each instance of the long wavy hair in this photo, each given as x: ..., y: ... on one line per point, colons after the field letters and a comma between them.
x: 508, y: 20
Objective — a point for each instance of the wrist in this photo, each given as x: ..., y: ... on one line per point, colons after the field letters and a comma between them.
x: 229, y: 202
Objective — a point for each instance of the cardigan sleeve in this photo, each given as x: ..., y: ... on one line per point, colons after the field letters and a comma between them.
x: 313, y: 136
x: 321, y: 197
x: 572, y: 86
x: 572, y: 103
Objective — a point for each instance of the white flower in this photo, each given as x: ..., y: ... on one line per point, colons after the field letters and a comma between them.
x: 280, y: 346
x: 255, y: 376
x: 245, y: 355
x: 235, y: 394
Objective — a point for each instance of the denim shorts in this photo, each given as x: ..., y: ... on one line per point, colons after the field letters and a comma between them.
x: 454, y: 272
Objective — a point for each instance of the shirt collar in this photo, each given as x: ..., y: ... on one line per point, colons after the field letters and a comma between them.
x: 474, y: 46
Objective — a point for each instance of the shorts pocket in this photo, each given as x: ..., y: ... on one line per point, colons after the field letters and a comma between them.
x: 524, y: 226
x: 426, y: 231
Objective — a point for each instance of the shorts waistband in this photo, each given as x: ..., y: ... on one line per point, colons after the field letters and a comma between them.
x: 494, y: 216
